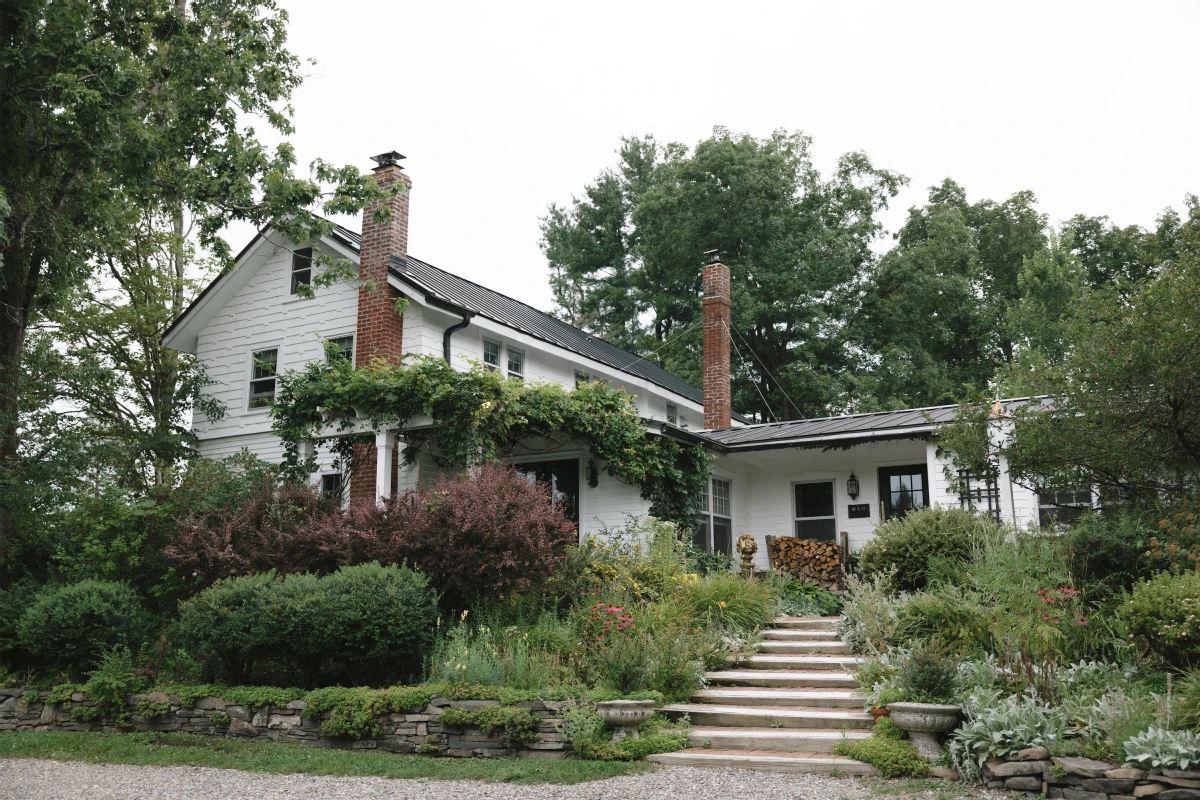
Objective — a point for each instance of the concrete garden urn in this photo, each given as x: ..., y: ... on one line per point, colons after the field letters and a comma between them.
x: 625, y: 716
x: 924, y: 723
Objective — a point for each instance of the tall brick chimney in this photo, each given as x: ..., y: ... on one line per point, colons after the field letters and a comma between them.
x: 717, y: 394
x: 380, y: 328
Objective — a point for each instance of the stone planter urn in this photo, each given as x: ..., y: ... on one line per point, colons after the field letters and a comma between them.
x: 924, y: 723
x: 625, y: 716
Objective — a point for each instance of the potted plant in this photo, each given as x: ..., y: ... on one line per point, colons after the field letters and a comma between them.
x: 879, y: 678
x: 925, y: 708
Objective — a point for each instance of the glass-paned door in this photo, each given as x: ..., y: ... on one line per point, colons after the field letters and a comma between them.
x: 814, y: 511
x: 901, y: 489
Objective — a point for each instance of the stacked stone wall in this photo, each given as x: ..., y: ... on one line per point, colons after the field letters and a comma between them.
x: 1036, y: 774
x: 417, y: 732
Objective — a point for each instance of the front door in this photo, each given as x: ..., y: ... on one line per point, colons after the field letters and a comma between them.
x: 901, y: 489
x: 562, y: 478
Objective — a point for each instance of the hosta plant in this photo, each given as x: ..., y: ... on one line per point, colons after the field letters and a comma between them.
x: 1157, y: 748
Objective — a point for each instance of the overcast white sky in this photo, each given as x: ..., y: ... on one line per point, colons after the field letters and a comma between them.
x: 503, y: 108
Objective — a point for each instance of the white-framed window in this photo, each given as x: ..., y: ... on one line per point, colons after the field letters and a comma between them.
x: 815, y: 518
x: 263, y: 369
x: 1062, y: 508
x: 491, y: 354
x: 344, y: 349
x: 516, y: 363
x: 301, y: 269
x: 714, y: 521
x: 333, y: 485
x: 581, y: 378
x: 672, y: 413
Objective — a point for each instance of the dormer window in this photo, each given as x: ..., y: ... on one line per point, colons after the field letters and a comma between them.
x: 672, y: 414
x: 301, y: 269
x: 491, y: 354
x: 516, y: 363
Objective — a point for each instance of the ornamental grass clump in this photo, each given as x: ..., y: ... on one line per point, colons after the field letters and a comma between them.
x: 729, y: 602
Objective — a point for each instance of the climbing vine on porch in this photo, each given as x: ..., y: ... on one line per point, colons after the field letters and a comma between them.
x: 480, y: 414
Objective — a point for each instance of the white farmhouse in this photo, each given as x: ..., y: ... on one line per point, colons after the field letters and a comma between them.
x: 830, y: 478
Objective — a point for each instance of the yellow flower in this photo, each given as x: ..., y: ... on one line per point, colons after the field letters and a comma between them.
x: 721, y: 604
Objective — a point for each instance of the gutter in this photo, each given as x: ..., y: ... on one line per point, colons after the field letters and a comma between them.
x: 466, y: 315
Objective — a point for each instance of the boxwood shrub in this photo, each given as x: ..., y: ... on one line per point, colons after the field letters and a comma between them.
x: 69, y: 628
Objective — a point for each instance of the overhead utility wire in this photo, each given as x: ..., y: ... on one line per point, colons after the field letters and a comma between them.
x: 754, y: 383
x: 674, y: 337
x: 778, y: 383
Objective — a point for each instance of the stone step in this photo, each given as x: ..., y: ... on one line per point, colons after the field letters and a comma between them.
x: 826, y: 646
x: 765, y: 761
x: 806, y: 623
x: 780, y: 678
x: 754, y: 696
x: 803, y: 662
x: 792, y: 740
x: 734, y: 716
x: 796, y: 635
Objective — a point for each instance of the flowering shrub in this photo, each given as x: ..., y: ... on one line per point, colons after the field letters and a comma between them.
x: 1163, y: 614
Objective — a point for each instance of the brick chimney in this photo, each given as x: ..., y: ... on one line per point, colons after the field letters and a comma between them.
x: 380, y: 328
x: 717, y: 395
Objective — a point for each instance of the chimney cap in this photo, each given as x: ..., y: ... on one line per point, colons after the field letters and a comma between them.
x: 712, y: 256
x: 391, y: 158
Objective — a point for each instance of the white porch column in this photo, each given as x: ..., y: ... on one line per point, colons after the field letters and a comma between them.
x: 406, y: 474
x: 385, y: 445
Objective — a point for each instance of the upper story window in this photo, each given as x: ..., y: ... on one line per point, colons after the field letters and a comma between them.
x: 516, y: 363
x: 343, y: 348
x: 301, y: 268
x: 672, y: 414
x: 262, y: 377
x: 581, y: 378
x: 491, y: 354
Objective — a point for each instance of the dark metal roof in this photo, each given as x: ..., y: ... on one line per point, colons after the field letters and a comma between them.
x: 909, y: 423
x: 448, y: 288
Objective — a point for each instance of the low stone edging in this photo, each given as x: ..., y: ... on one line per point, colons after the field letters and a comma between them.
x: 1035, y: 772
x: 419, y: 731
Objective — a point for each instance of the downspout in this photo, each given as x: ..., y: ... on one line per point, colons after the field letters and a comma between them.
x: 458, y: 326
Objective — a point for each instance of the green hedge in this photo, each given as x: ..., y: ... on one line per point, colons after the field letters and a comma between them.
x: 69, y: 628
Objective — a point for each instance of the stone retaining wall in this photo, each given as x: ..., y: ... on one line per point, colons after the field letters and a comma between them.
x: 1036, y: 773
x: 415, y: 732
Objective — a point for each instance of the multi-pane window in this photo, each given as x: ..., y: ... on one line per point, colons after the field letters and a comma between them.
x: 262, y: 377
x: 979, y: 492
x: 516, y: 363
x: 672, y: 414
x: 1063, y: 508
x: 301, y: 268
x: 814, y: 511
x: 581, y: 378
x: 714, y: 521
x: 491, y: 354
x: 341, y: 348
x: 332, y: 485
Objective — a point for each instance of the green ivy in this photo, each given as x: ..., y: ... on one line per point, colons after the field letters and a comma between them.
x: 482, y: 414
x: 220, y: 719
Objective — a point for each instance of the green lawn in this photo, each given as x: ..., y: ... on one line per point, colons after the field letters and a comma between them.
x: 262, y: 755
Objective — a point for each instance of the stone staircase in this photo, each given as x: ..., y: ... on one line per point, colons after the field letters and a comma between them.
x: 783, y: 710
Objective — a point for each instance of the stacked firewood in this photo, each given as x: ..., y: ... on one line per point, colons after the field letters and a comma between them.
x: 811, y: 560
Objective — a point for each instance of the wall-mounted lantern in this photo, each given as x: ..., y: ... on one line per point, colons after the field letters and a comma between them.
x: 852, y: 486
x: 592, y: 474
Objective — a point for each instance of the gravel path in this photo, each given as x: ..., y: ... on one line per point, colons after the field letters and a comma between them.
x: 58, y: 780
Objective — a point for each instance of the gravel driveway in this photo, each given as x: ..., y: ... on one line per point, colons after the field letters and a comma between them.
x: 59, y: 780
